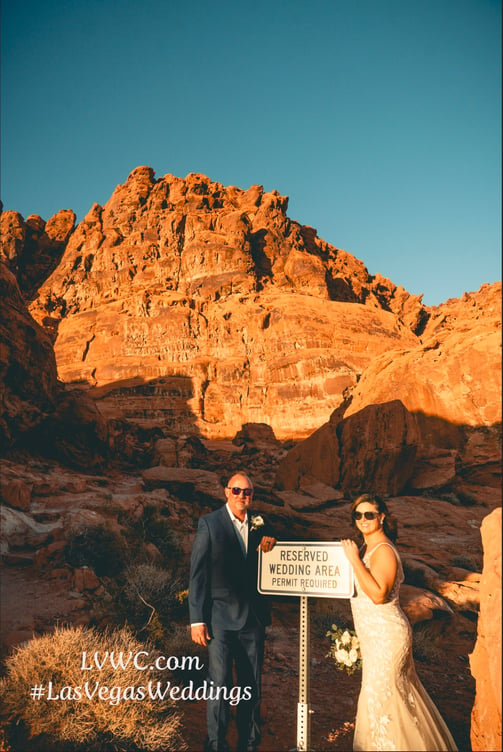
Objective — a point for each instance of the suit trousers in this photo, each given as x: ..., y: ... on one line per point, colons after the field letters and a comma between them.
x: 243, y: 649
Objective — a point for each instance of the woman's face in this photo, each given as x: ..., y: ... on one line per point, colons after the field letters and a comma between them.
x: 363, y: 524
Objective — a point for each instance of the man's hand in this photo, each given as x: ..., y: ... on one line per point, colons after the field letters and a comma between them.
x: 200, y: 634
x: 266, y: 544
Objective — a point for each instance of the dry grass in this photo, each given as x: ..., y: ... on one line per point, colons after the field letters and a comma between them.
x: 426, y: 641
x: 87, y: 723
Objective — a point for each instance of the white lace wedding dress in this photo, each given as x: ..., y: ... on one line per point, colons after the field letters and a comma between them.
x: 394, y: 710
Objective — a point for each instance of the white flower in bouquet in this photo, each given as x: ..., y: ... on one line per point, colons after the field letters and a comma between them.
x: 344, y: 649
x: 346, y: 638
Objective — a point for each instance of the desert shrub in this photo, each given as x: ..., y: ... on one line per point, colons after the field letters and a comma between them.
x: 156, y: 527
x: 326, y: 611
x: 98, y: 548
x: 426, y: 642
x: 465, y: 562
x: 150, y: 591
x: 88, y: 723
x: 179, y: 642
x: 147, y: 598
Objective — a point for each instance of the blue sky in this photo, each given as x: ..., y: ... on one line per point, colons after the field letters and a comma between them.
x: 380, y: 119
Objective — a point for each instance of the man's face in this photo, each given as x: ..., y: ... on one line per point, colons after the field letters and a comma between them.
x: 240, y: 502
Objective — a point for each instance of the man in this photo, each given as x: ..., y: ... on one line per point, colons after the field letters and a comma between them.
x: 227, y: 613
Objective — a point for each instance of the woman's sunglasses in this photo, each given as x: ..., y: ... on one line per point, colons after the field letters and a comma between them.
x: 245, y: 491
x: 367, y: 515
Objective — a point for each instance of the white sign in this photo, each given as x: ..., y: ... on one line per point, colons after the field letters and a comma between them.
x: 316, y: 569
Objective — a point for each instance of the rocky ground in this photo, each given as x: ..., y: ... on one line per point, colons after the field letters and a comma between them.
x: 439, y: 541
x: 27, y: 601
x: 334, y: 694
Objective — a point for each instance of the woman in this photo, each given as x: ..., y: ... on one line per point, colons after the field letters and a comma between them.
x: 394, y: 710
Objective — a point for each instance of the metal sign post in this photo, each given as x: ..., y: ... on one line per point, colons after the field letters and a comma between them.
x: 317, y: 569
x: 303, y: 706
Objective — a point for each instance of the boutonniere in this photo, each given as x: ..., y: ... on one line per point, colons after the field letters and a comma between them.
x: 255, y: 522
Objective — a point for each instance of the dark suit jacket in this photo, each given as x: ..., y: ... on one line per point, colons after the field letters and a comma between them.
x: 223, y: 582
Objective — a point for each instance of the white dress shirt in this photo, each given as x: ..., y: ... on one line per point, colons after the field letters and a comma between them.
x: 241, y: 528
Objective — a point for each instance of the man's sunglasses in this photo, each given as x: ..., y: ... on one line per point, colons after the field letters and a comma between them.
x: 236, y: 491
x: 367, y: 515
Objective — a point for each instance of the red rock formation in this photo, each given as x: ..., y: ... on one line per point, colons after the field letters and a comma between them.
x: 195, y: 308
x: 374, y: 450
x: 35, y: 409
x: 454, y: 374
x: 28, y: 381
x: 13, y: 235
x: 200, y: 307
x: 33, y: 249
x: 485, y: 661
x: 423, y: 416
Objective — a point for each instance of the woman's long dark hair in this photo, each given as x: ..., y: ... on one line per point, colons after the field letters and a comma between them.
x: 389, y: 524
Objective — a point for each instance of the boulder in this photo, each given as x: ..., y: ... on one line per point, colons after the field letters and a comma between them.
x: 187, y: 484
x: 464, y: 596
x: 370, y: 451
x: 256, y: 436
x: 84, y: 579
x: 434, y: 470
x: 485, y: 661
x: 77, y: 521
x: 16, y: 493
x: 75, y: 432
x: 420, y: 604
x: 20, y: 531
x: 378, y: 449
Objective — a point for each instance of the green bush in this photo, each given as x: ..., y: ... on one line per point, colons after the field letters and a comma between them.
x: 88, y: 723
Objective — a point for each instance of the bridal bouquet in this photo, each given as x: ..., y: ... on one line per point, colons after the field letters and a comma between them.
x: 344, y: 649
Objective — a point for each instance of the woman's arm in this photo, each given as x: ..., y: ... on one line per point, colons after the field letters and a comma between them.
x: 378, y: 582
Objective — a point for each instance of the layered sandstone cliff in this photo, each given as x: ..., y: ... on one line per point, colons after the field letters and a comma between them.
x: 422, y: 417
x: 200, y: 307
x: 196, y: 308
